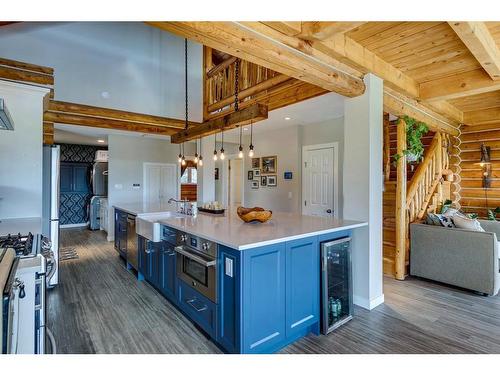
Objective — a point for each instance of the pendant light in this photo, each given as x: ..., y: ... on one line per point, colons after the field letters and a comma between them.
x: 251, y: 153
x: 196, y: 152
x: 200, y: 159
x: 180, y: 154
x: 182, y: 158
x: 215, y: 147
x: 222, y: 156
x: 240, y: 154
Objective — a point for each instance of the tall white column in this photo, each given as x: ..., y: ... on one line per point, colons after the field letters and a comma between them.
x: 363, y: 184
x: 206, y: 174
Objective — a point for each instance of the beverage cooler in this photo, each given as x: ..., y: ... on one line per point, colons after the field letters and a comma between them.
x: 336, y: 284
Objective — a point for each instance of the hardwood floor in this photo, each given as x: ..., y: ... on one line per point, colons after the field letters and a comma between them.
x: 100, y: 307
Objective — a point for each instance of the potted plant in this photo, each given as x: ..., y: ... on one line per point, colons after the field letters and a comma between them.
x: 414, y: 151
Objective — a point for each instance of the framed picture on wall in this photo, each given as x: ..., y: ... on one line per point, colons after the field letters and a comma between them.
x: 256, y: 174
x: 255, y: 184
x: 269, y: 164
x: 263, y: 180
x: 256, y: 163
x: 271, y: 180
x: 250, y: 175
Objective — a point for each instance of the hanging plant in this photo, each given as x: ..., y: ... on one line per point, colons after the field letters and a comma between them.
x: 414, y: 147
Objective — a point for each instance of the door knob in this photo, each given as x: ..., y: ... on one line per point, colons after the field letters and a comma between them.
x: 329, y: 211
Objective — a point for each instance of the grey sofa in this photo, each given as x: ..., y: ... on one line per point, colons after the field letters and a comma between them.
x: 459, y: 257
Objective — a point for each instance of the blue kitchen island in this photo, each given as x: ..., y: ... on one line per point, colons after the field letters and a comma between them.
x: 266, y: 277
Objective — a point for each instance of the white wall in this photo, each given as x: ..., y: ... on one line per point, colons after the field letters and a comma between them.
x: 285, y: 144
x: 141, y: 67
x: 21, y: 152
x: 127, y: 154
x: 363, y: 189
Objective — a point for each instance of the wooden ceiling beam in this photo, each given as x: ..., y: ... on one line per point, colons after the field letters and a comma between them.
x: 458, y: 86
x: 56, y: 106
x: 244, y: 42
x: 314, y: 30
x: 477, y: 38
x: 105, y: 123
x: 254, y: 113
x: 400, y: 105
x: 341, y: 48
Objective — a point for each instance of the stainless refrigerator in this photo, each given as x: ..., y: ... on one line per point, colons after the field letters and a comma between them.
x: 99, y: 179
x: 50, y: 205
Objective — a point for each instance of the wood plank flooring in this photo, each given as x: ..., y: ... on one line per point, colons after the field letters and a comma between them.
x: 100, y: 307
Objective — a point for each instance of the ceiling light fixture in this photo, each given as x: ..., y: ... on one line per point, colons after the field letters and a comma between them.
x: 215, y: 147
x: 288, y: 118
x: 240, y: 154
x: 251, y: 153
x: 222, y: 156
x: 100, y: 141
x: 200, y: 160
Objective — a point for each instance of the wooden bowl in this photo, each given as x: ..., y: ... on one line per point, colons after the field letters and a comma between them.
x: 249, y: 215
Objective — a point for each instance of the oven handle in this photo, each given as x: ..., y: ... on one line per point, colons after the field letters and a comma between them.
x: 196, y: 258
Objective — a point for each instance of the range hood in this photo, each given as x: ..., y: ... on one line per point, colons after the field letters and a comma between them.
x: 6, y: 122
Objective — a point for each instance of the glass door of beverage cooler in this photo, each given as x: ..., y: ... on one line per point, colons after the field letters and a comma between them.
x: 336, y: 283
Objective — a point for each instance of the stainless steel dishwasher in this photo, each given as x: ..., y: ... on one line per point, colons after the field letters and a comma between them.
x: 132, y: 251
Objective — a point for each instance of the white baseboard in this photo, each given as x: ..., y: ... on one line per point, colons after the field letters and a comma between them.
x: 368, y: 304
x: 73, y: 225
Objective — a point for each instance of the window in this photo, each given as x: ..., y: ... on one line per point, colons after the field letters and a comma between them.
x: 190, y: 176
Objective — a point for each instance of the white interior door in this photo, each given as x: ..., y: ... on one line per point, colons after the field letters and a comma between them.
x: 318, y: 181
x: 160, y: 183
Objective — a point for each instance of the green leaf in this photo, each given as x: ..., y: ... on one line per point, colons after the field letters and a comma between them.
x: 491, y: 215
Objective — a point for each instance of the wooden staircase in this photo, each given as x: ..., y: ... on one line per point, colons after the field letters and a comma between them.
x: 426, y: 189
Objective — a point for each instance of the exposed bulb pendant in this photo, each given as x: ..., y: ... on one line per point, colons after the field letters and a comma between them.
x: 196, y: 152
x: 180, y: 154
x: 222, y: 156
x: 215, y: 147
x: 183, y: 158
x: 251, y: 153
x: 200, y: 160
x: 240, y: 154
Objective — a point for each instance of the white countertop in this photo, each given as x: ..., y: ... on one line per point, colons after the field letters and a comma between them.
x: 22, y: 225
x: 231, y: 231
x: 140, y: 208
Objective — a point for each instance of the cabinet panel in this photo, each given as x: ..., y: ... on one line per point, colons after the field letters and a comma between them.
x: 263, y: 295
x: 229, y: 325
x: 81, y: 178
x: 198, y: 308
x: 302, y: 284
x: 167, y: 276
x: 66, y: 178
x: 121, y: 233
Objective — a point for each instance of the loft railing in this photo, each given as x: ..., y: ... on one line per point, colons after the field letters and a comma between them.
x: 253, y: 80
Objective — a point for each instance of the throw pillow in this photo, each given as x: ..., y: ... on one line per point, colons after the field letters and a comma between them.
x: 446, y: 221
x: 463, y: 222
x: 432, y: 219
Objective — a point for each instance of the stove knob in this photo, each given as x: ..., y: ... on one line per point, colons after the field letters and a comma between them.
x: 205, y: 246
x: 183, y: 238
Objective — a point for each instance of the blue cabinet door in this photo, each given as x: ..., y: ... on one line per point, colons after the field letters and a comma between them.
x: 263, y: 299
x: 81, y: 178
x: 142, y: 256
x: 66, y: 178
x: 121, y: 232
x: 152, y: 260
x: 229, y: 325
x: 302, y: 285
x: 167, y: 272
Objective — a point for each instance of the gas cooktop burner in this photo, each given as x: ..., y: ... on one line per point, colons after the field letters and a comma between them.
x: 23, y: 245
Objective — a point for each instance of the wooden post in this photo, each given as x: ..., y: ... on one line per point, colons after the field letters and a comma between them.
x: 207, y: 65
x: 401, y: 225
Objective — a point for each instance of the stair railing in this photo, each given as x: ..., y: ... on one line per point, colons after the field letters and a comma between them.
x: 426, y: 179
